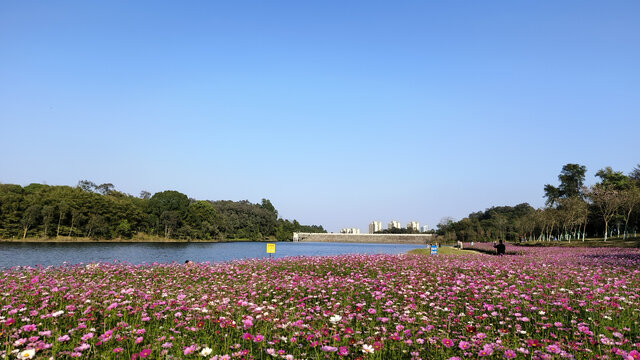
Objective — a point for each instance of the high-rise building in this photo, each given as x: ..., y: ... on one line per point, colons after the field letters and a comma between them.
x: 425, y: 228
x: 375, y: 226
x: 413, y: 225
x: 350, y: 231
x: 394, y: 225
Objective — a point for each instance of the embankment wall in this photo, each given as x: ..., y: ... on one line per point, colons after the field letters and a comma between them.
x: 365, y: 238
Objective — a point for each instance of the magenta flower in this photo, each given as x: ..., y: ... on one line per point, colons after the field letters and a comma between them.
x: 30, y: 327
x: 145, y: 352
x: 447, y: 343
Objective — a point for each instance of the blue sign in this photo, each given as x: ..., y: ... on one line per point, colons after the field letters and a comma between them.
x: 434, y: 250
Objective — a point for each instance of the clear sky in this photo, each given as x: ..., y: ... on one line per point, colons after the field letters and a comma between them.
x: 339, y: 112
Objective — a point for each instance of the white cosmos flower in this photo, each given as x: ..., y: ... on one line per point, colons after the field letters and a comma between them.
x: 206, y: 351
x: 335, y: 318
x: 27, y: 354
x: 367, y: 349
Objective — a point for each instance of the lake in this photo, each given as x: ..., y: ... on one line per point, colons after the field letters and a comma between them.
x: 45, y: 254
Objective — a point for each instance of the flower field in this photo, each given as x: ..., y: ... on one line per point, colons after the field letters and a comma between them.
x: 545, y: 303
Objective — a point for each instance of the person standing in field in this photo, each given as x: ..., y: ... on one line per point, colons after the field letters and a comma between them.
x: 500, y: 248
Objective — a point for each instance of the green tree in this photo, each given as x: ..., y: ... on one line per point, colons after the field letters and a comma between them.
x: 571, y: 183
x: 63, y: 209
x: 48, y: 213
x: 124, y: 229
x: 630, y: 202
x: 169, y: 221
x: 29, y: 218
x: 615, y: 180
x: 607, y: 201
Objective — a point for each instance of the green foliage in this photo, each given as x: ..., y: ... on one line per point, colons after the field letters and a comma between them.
x: 102, y: 212
x: 615, y: 200
x: 286, y: 228
x: 571, y: 183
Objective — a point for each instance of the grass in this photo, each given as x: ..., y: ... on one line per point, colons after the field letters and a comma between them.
x: 444, y: 250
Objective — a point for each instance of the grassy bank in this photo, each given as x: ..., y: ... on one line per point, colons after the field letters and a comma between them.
x: 444, y: 250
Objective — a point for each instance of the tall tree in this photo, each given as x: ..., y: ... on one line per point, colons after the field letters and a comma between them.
x: 635, y: 174
x: 63, y: 208
x: 48, y: 212
x: 29, y: 218
x: 608, y: 201
x: 571, y: 183
x: 630, y: 202
x: 615, y: 180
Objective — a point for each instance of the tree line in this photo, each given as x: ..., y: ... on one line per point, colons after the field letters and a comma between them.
x: 572, y: 211
x: 95, y: 211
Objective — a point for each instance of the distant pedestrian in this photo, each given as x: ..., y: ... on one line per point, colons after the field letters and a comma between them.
x: 500, y: 248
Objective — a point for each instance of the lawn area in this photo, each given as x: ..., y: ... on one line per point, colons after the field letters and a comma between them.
x: 443, y: 250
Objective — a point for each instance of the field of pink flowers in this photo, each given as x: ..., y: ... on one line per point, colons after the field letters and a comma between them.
x: 544, y: 303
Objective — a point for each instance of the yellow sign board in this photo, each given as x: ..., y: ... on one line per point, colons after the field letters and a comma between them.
x: 271, y: 248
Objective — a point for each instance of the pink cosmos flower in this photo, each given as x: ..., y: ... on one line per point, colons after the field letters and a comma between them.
x: 342, y: 351
x: 247, y: 323
x: 328, y: 348
x: 145, y: 352
x: 509, y: 354
x: 463, y: 345
x: 63, y: 338
x: 189, y: 350
x: 554, y: 349
x: 29, y: 327
x: 447, y: 343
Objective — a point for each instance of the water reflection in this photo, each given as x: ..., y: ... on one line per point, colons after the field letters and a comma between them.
x: 31, y: 254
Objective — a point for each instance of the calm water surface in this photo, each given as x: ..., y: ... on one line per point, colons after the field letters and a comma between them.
x: 45, y: 254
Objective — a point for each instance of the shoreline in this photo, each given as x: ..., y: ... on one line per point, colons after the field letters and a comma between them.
x: 66, y: 240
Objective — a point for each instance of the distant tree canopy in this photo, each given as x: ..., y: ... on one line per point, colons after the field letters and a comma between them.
x: 101, y: 212
x: 610, y: 207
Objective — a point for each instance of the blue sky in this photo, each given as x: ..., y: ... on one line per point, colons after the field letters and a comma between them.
x: 338, y: 112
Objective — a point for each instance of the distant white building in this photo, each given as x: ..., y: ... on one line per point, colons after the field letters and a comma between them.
x: 394, y: 225
x: 425, y: 228
x: 413, y: 225
x: 350, y: 231
x: 375, y: 226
